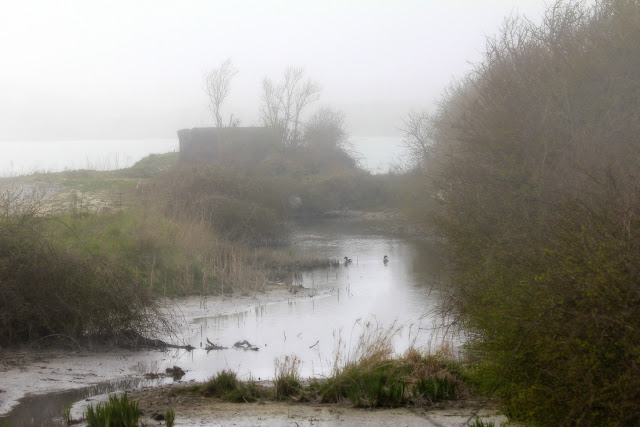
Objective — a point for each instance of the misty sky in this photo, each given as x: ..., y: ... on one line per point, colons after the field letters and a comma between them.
x: 133, y: 69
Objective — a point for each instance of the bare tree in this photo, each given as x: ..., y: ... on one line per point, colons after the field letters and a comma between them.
x: 283, y: 103
x: 418, y: 137
x: 217, y: 84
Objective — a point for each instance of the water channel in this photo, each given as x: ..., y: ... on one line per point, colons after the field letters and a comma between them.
x: 343, y: 298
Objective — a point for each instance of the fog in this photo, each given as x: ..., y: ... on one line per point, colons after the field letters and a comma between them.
x: 119, y: 69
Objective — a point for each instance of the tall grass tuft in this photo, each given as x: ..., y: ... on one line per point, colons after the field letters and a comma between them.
x: 169, y: 417
x: 287, y: 377
x: 371, y: 375
x: 117, y: 412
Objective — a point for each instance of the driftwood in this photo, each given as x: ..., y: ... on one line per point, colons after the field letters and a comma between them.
x: 211, y: 346
x: 134, y: 339
x: 246, y: 345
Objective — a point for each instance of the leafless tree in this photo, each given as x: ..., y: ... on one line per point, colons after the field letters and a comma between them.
x: 418, y: 137
x: 283, y: 103
x: 217, y: 84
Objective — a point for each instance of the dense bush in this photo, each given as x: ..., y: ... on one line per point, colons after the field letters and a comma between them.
x: 531, y: 164
x: 47, y: 288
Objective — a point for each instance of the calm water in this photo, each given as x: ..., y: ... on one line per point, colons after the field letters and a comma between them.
x: 367, y: 289
x: 399, y: 291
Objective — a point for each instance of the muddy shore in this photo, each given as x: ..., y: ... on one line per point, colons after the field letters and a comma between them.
x: 193, y: 410
x: 31, y: 370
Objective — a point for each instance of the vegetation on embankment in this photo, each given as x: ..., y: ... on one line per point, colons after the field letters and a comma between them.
x: 368, y: 375
x: 49, y: 288
x: 529, y: 169
x: 84, y: 252
x: 414, y: 379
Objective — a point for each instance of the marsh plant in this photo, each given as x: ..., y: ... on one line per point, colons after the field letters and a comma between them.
x: 66, y: 414
x: 286, y: 382
x: 371, y: 375
x: 53, y: 284
x: 117, y: 412
x: 169, y: 417
x: 225, y: 385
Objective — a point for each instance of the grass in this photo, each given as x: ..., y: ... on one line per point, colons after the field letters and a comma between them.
x: 169, y: 417
x: 286, y: 382
x: 415, y: 379
x: 225, y: 385
x: 117, y: 412
x: 369, y: 375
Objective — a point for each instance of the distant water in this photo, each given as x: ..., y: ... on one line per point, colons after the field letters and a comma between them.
x: 24, y: 157
x: 376, y: 154
x: 379, y: 153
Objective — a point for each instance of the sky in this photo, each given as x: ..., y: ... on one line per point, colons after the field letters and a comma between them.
x: 133, y: 69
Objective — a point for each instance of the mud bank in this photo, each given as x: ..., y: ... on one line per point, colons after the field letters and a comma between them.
x: 36, y: 372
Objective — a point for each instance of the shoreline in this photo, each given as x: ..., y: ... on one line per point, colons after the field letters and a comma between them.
x: 26, y: 372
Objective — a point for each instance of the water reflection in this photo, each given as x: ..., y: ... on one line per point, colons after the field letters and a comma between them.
x: 401, y: 290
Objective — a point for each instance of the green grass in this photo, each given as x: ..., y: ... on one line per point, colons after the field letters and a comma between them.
x: 225, y: 385
x: 117, y: 412
x: 286, y: 382
x: 414, y: 379
x: 169, y: 417
x: 389, y: 382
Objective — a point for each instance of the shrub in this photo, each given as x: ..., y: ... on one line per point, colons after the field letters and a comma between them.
x: 48, y: 288
x: 532, y: 172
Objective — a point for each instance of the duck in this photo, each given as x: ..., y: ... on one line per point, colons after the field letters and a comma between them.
x: 385, y: 259
x: 347, y: 260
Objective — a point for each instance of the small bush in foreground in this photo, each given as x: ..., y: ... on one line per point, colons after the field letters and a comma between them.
x: 118, y: 412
